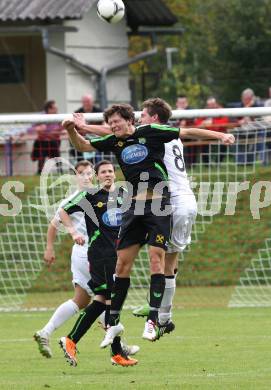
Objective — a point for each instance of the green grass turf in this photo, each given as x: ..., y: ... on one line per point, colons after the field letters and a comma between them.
x: 211, y: 348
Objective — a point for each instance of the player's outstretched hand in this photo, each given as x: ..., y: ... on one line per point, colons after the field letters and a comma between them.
x: 78, y: 238
x: 78, y: 119
x: 49, y: 256
x: 68, y: 124
x: 228, y: 139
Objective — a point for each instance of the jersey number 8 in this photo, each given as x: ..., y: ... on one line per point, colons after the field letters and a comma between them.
x: 179, y: 161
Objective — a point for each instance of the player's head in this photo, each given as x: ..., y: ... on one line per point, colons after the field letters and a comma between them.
x: 105, y: 172
x: 84, y: 173
x: 155, y: 110
x: 87, y: 102
x: 121, y: 119
x: 50, y: 107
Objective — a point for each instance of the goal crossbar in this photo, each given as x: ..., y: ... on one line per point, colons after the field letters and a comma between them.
x: 176, y: 114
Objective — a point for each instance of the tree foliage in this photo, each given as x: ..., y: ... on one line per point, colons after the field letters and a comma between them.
x: 225, y: 48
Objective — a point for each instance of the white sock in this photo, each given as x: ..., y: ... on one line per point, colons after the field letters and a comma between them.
x: 61, y: 315
x: 165, y: 313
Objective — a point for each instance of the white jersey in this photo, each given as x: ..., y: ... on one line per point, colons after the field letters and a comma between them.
x: 173, y: 159
x: 182, y: 198
x: 78, y: 220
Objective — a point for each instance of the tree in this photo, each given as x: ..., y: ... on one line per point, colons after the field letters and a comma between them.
x: 225, y: 48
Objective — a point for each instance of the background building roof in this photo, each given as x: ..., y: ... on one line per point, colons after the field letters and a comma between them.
x: 25, y: 10
x: 148, y: 13
x: 138, y: 12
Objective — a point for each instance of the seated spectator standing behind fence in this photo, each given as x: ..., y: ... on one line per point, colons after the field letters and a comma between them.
x: 250, y: 139
x: 214, y: 152
x: 48, y: 141
x: 191, y: 151
x: 87, y: 107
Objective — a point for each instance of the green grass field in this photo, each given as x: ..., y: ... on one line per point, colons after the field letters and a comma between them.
x: 211, y: 348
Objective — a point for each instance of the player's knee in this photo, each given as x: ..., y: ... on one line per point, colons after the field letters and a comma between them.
x: 123, y: 267
x: 157, y: 260
x: 81, y: 302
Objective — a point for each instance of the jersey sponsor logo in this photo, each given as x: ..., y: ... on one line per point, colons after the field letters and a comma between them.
x: 134, y: 154
x: 112, y: 217
x: 120, y: 144
x: 99, y: 204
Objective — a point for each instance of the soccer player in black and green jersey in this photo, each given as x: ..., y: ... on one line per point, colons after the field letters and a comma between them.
x: 102, y: 209
x: 140, y: 153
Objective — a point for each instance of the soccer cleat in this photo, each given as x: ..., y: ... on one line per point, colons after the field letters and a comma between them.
x: 167, y: 327
x: 111, y: 333
x: 43, y: 343
x: 130, y: 349
x: 142, y: 311
x: 121, y: 359
x: 150, y: 331
x: 69, y: 349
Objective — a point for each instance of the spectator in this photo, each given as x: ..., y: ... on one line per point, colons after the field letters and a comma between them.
x: 248, y: 99
x: 87, y: 107
x: 190, y: 152
x: 48, y: 141
x: 251, y: 141
x: 215, y: 124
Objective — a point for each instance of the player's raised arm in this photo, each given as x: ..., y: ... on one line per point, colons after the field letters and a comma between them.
x: 67, y: 222
x: 84, y: 128
x: 79, y: 142
x: 196, y: 133
x: 49, y: 253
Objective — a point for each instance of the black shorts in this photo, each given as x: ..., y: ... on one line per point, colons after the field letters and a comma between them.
x: 101, y: 276
x: 144, y: 229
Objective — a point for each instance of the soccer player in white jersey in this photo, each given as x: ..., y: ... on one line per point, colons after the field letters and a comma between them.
x: 79, y: 264
x: 184, y: 211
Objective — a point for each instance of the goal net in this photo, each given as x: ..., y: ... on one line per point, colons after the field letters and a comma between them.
x: 228, y: 261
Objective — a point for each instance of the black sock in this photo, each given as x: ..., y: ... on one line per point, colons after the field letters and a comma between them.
x: 107, y: 314
x: 87, y: 317
x: 119, y: 292
x: 157, y: 289
x: 116, y: 346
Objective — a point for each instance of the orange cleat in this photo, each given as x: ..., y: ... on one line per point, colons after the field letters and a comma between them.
x: 69, y: 349
x: 123, y: 360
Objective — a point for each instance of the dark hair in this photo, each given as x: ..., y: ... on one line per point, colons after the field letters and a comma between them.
x: 158, y: 106
x: 124, y: 110
x: 103, y: 162
x: 47, y: 105
x: 83, y: 163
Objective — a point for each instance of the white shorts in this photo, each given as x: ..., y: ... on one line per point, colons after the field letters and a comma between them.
x: 184, y: 212
x: 80, y: 268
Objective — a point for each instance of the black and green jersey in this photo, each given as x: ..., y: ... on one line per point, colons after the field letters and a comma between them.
x: 103, y: 215
x: 142, y: 151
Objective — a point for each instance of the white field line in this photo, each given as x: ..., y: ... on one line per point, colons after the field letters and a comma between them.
x: 182, y: 338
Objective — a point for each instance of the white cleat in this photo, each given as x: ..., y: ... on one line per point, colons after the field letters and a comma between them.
x: 111, y: 333
x: 43, y: 343
x: 150, y: 331
x: 130, y: 349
